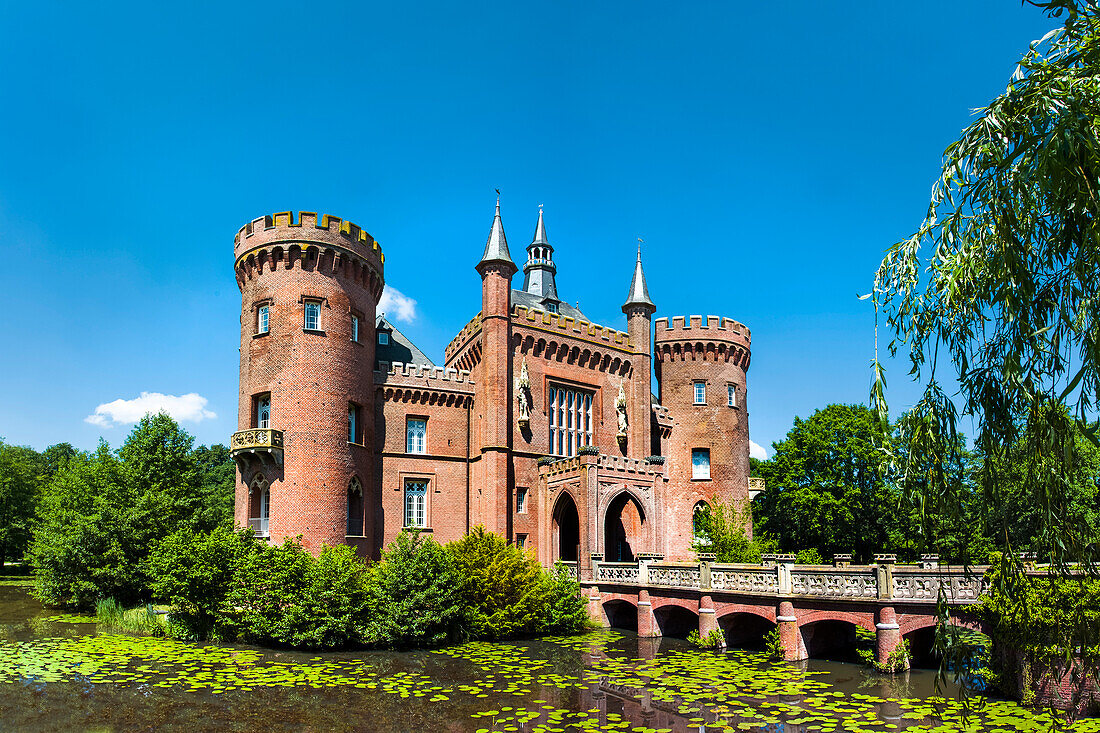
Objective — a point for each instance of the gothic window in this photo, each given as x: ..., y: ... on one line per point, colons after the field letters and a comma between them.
x: 312, y: 315
x: 570, y: 420
x: 700, y: 518
x: 416, y: 503
x: 354, y: 327
x: 259, y: 505
x: 416, y: 435
x: 700, y: 393
x: 355, y: 508
x: 700, y: 463
x: 262, y: 414
x: 263, y: 319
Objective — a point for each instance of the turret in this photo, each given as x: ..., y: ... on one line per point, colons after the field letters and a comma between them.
x: 639, y: 309
x: 701, y: 372
x: 539, y: 270
x: 494, y: 384
x: 309, y: 291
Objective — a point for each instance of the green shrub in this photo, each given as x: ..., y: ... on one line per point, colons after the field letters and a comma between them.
x: 415, y: 595
x: 193, y: 572
x: 721, y: 529
x: 715, y: 639
x: 565, y: 610
x: 502, y: 588
x: 809, y: 556
x: 285, y: 596
x: 773, y: 644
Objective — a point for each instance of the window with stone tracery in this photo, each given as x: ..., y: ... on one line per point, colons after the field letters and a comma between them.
x: 570, y: 420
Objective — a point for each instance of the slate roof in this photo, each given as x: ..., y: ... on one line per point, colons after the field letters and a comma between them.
x: 531, y: 300
x: 399, y: 348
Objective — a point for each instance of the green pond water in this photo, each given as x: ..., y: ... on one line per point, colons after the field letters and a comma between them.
x: 58, y: 674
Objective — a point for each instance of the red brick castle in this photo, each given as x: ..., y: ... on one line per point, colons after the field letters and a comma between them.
x: 540, y: 425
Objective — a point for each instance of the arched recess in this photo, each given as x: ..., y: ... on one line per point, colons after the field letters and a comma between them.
x: 700, y: 522
x: 624, y: 529
x: 355, y: 508
x: 745, y: 630
x: 675, y: 621
x: 830, y: 639
x: 567, y: 529
x: 621, y: 614
x: 259, y: 504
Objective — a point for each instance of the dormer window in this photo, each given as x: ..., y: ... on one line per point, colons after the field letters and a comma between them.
x: 383, y: 338
x: 551, y: 307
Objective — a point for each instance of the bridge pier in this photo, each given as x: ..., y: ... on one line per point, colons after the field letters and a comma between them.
x: 887, y: 634
x: 794, y: 650
x: 708, y: 619
x: 647, y: 623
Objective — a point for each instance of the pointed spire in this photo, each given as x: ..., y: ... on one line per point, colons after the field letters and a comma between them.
x: 639, y: 293
x: 540, y: 231
x: 496, y: 247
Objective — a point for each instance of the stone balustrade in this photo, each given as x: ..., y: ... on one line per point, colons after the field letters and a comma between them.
x: 265, y: 444
x: 871, y: 583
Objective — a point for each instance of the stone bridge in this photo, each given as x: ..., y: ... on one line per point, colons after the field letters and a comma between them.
x: 817, y: 608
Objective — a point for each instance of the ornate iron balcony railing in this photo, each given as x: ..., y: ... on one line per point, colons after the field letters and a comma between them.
x: 263, y: 443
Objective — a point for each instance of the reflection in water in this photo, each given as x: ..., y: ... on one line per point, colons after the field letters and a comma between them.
x: 57, y: 675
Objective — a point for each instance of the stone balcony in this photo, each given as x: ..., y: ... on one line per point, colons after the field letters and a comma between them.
x: 257, y: 444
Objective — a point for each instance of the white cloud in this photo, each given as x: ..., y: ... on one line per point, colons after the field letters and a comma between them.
x: 757, y: 451
x: 185, y: 408
x: 397, y: 306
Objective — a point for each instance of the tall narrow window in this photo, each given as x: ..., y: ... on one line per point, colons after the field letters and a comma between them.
x: 354, y: 327
x: 731, y: 394
x: 259, y: 505
x: 353, y: 423
x: 416, y: 503
x: 263, y: 315
x: 263, y: 411
x: 700, y: 393
x: 521, y: 500
x: 312, y: 318
x: 570, y: 420
x: 700, y: 463
x: 355, y: 508
x: 416, y: 435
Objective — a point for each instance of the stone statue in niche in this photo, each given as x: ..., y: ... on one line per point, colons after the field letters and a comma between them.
x: 620, y: 412
x: 523, y: 396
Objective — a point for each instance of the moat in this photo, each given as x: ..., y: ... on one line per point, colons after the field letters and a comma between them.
x: 58, y: 673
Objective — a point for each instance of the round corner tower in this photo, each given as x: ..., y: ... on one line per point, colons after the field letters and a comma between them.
x: 305, y: 440
x: 701, y: 372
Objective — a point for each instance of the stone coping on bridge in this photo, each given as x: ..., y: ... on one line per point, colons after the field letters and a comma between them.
x: 870, y: 583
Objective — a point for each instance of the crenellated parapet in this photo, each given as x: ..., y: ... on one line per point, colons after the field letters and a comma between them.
x: 699, y: 338
x: 561, y: 325
x: 663, y: 416
x: 422, y: 383
x: 462, y: 341
x: 326, y: 243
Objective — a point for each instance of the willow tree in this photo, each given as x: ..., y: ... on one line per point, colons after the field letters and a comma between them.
x: 1000, y: 287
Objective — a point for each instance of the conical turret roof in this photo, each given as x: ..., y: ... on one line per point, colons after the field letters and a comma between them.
x: 496, y: 247
x: 639, y: 293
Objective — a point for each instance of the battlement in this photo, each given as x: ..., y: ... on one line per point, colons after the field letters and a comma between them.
x: 555, y: 322
x: 463, y: 336
x: 695, y: 327
x: 663, y: 415
x: 400, y: 372
x: 309, y: 228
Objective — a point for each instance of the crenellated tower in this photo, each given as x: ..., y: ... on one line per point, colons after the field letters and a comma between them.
x: 305, y: 445
x: 701, y: 371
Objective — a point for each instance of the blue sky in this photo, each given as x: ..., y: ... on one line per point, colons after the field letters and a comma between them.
x: 767, y: 158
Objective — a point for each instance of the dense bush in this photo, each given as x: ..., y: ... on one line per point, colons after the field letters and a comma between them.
x: 720, y: 529
x: 416, y: 596
x: 502, y: 586
x: 566, y: 611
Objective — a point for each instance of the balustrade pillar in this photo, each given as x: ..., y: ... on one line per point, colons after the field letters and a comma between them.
x: 647, y: 624
x: 887, y: 635
x: 789, y: 635
x: 595, y: 608
x: 708, y: 619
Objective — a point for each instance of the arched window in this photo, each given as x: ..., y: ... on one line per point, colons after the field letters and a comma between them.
x: 259, y: 505
x: 700, y: 521
x: 355, y: 508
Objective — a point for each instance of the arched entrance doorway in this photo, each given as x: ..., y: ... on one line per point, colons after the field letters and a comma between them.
x: 623, y: 529
x: 567, y: 530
